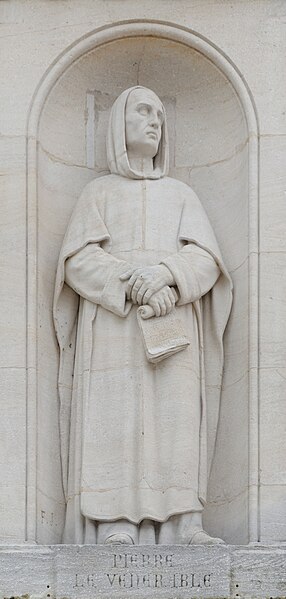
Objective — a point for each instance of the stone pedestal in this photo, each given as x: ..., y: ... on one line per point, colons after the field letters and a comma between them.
x: 160, y: 572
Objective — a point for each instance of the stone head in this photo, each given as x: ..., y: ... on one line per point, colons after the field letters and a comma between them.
x: 144, y: 117
x: 137, y: 133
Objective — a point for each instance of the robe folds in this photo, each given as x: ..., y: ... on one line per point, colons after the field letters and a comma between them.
x: 137, y: 438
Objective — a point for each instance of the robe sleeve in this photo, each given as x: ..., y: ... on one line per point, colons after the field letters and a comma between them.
x: 94, y: 274
x: 194, y: 270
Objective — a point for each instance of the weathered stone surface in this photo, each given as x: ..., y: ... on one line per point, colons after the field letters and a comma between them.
x: 150, y: 571
x: 259, y: 572
x: 26, y: 571
x: 143, y: 572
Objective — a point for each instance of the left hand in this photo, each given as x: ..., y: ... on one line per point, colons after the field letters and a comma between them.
x: 163, y: 301
x: 145, y: 281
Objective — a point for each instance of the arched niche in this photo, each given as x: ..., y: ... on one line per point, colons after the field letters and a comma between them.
x: 212, y: 130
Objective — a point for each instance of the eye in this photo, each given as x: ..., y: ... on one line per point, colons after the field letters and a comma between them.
x: 143, y: 109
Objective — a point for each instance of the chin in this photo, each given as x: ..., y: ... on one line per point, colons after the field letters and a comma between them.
x: 151, y: 149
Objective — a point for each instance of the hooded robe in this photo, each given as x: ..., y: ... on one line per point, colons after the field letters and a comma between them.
x: 137, y: 438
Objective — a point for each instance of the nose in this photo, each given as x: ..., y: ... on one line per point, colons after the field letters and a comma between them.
x: 154, y: 121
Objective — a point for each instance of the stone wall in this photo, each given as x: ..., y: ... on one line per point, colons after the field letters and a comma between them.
x: 220, y: 68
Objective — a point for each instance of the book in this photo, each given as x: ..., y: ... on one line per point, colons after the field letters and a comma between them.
x: 162, y: 336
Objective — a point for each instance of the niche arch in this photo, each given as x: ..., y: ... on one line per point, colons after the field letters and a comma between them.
x: 215, y: 149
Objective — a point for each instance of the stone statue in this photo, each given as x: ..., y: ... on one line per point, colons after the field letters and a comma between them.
x: 142, y: 299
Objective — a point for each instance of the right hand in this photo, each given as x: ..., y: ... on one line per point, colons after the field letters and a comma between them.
x: 145, y: 281
x: 163, y: 301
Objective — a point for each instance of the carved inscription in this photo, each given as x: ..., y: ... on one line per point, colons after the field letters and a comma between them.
x: 131, y: 580
x: 84, y: 582
x: 142, y: 560
x: 127, y: 572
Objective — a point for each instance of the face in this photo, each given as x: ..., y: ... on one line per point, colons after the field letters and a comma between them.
x: 143, y: 122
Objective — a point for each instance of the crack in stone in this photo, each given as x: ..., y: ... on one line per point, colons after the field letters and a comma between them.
x: 238, y: 150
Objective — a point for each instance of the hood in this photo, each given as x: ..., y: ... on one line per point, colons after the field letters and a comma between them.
x: 117, y: 156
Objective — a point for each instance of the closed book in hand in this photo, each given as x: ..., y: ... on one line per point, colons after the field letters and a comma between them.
x: 162, y: 336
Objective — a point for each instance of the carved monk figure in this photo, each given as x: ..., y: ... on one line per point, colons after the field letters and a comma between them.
x: 138, y: 434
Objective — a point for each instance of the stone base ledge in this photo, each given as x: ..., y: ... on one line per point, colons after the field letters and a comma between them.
x: 141, y: 572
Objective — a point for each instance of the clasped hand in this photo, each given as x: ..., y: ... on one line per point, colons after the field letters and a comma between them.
x: 151, y: 285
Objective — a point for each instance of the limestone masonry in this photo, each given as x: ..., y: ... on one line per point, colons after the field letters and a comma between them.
x: 143, y: 415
